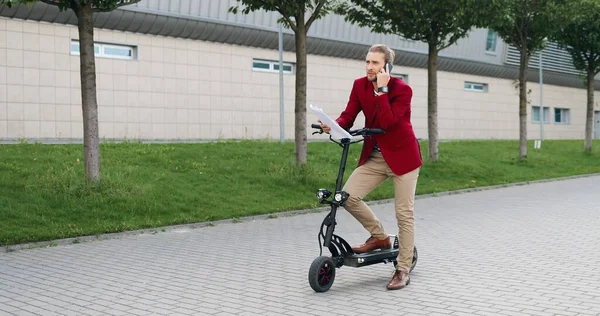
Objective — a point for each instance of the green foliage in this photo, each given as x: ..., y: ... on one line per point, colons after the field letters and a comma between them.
x: 524, y: 24
x: 11, y: 3
x: 578, y: 32
x: 63, y: 5
x: 292, y: 11
x: 426, y: 21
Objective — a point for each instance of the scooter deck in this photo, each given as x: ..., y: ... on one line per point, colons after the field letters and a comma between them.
x: 369, y: 258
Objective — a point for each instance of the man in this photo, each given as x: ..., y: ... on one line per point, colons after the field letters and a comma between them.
x: 386, y: 104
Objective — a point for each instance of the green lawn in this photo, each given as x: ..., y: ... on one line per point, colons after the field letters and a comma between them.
x: 43, y: 195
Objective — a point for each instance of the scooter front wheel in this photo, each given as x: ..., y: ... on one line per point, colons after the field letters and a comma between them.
x: 321, y: 274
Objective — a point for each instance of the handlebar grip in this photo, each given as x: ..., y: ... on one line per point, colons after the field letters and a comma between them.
x: 375, y: 131
x: 316, y: 126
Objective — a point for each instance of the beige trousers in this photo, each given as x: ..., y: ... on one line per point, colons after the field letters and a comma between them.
x: 365, y: 179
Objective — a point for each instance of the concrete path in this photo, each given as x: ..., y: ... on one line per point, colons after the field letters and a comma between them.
x: 525, y: 250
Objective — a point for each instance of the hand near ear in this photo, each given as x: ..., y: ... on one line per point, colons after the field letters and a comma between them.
x: 383, y: 77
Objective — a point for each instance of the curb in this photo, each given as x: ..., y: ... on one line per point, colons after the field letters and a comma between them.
x: 152, y: 231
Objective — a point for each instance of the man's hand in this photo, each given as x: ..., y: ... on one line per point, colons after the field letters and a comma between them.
x: 383, y: 77
x: 325, y: 128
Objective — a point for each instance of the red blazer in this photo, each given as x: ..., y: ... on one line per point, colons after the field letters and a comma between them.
x: 390, y: 112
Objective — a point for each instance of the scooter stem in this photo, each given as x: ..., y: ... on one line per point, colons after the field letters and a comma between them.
x: 338, y: 187
x: 346, y: 148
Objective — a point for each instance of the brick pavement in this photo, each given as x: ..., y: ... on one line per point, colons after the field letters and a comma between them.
x: 525, y: 250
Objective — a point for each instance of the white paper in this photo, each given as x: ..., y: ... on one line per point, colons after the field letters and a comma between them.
x: 337, y: 132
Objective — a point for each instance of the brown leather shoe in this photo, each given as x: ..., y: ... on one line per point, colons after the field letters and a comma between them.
x: 399, y: 280
x: 373, y: 243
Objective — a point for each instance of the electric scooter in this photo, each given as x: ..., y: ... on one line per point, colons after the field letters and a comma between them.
x: 322, y: 270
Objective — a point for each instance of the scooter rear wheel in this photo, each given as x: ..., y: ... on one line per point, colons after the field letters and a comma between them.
x: 321, y: 274
x: 414, y: 260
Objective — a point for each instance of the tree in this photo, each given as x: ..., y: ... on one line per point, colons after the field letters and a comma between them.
x: 294, y: 13
x: 579, y: 34
x: 525, y: 24
x: 84, y: 10
x: 437, y: 25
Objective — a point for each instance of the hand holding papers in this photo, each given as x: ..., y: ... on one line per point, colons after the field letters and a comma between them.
x: 337, y: 132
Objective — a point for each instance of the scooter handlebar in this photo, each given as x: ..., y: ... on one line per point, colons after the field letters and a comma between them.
x: 362, y: 131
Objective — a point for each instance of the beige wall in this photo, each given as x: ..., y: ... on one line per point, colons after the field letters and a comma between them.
x: 183, y: 89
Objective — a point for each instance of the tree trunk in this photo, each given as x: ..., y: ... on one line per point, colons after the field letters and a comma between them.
x: 589, y: 113
x: 300, y: 105
x: 523, y: 104
x: 432, y: 108
x: 88, y: 92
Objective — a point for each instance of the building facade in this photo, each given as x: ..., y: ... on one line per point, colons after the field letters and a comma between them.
x: 190, y: 70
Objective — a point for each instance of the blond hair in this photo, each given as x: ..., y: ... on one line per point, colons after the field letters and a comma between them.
x: 385, y: 50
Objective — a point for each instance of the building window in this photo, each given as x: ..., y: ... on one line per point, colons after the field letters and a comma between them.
x: 477, y: 87
x: 535, y: 114
x: 403, y: 77
x: 271, y: 66
x: 107, y: 50
x: 562, y: 116
x: 490, y: 45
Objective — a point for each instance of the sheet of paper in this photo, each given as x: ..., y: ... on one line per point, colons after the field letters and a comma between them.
x: 337, y: 132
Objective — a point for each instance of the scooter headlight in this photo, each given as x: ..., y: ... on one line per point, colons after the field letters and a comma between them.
x: 341, y: 197
x: 323, y: 194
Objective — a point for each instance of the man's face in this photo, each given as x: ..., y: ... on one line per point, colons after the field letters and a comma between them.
x: 375, y: 61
